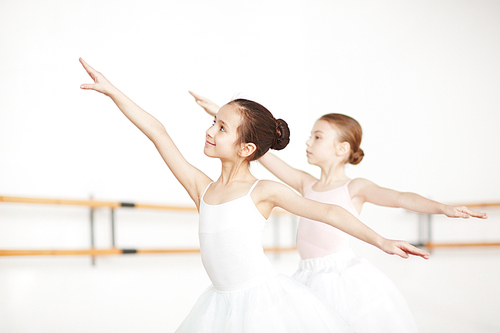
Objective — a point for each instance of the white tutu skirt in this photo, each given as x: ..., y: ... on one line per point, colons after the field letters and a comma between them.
x: 277, y: 305
x: 362, y: 294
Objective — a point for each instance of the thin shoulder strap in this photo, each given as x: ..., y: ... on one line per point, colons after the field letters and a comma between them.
x: 206, y: 190
x: 253, y: 186
x: 310, y: 186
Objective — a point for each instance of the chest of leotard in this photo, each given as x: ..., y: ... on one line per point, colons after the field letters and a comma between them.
x: 231, y: 243
x: 316, y: 239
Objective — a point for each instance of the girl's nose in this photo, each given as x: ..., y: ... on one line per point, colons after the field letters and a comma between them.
x: 210, y: 131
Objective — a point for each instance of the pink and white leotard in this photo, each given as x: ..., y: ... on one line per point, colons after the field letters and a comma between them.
x: 316, y: 239
x: 361, y: 293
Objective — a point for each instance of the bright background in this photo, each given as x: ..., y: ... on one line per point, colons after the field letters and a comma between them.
x: 420, y: 76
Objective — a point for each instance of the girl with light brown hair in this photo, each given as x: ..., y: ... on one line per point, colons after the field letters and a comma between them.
x: 361, y: 293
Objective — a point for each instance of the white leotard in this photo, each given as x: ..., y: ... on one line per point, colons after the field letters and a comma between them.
x: 231, y: 243
x: 247, y: 295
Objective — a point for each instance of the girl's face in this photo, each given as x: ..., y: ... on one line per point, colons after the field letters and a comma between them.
x: 222, y: 137
x: 324, y: 145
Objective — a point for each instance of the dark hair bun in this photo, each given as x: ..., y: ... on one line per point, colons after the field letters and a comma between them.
x: 282, y: 135
x: 357, y: 157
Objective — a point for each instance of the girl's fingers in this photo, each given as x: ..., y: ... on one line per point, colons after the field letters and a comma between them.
x: 410, y: 249
x: 394, y: 247
x: 199, y: 99
x: 87, y: 67
x: 418, y: 252
x: 100, y: 83
x: 476, y: 214
x: 94, y: 75
x: 196, y: 96
x: 466, y: 213
x: 401, y: 253
x: 88, y: 86
x: 404, y: 249
x: 203, y: 104
x: 209, y: 107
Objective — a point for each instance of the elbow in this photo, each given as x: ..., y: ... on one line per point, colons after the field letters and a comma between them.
x: 399, y: 200
x: 404, y: 200
x: 157, y: 134
x: 333, y: 215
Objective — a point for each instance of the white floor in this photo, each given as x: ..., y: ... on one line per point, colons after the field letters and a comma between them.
x: 455, y: 291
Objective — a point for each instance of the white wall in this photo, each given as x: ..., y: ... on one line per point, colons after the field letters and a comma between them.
x: 421, y: 77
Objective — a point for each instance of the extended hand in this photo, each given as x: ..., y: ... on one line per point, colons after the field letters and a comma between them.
x: 101, y: 84
x: 464, y: 212
x: 210, y: 107
x: 403, y: 249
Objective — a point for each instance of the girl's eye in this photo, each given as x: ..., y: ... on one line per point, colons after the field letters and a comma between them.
x: 316, y: 137
x: 222, y: 129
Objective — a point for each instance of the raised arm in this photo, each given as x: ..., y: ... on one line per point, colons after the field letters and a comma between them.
x: 193, y: 180
x: 367, y: 191
x: 336, y: 216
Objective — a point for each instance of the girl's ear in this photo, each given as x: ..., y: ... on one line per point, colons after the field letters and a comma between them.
x: 247, y: 149
x: 343, y: 148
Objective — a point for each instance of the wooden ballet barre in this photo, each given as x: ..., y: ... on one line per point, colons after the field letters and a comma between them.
x: 92, y: 203
x: 432, y: 245
x: 480, y: 205
x: 91, y: 252
x: 114, y: 251
x: 107, y: 204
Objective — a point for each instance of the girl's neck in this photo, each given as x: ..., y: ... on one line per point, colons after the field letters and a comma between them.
x: 332, y: 174
x: 235, y: 172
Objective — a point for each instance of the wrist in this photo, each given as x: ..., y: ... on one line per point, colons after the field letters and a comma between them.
x: 113, y: 92
x: 379, y: 242
x: 445, y: 209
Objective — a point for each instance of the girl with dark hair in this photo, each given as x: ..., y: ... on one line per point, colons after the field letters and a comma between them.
x: 362, y: 294
x: 247, y: 294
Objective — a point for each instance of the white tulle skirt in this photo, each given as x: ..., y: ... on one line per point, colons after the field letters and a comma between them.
x: 362, y: 294
x: 277, y: 305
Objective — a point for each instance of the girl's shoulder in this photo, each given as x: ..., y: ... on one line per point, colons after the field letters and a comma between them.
x: 265, y: 189
x: 308, y: 184
x: 357, y: 185
x: 265, y: 185
x: 268, y: 194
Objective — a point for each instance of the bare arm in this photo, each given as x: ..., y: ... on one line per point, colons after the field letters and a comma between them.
x: 295, y: 178
x: 336, y: 216
x: 193, y: 180
x: 368, y: 191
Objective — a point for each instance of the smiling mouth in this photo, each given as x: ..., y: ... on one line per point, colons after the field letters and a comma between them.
x: 209, y: 143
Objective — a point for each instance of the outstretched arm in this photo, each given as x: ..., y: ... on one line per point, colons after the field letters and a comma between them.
x: 336, y: 216
x: 193, y: 180
x: 368, y: 191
